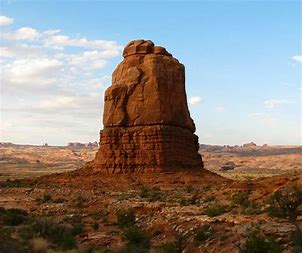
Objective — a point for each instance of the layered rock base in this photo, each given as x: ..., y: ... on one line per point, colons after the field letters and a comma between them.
x: 156, y: 148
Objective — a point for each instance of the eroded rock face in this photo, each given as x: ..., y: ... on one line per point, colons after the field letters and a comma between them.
x: 147, y: 124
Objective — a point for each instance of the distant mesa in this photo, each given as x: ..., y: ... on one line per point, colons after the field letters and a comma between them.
x: 249, y: 145
x: 147, y: 124
x: 82, y: 145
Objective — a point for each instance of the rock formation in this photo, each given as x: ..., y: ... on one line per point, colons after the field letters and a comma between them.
x: 147, y: 124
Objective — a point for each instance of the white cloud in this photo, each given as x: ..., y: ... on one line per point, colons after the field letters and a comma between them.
x: 88, y: 59
x: 195, y: 100
x: 111, y: 47
x: 297, y: 58
x: 30, y: 73
x: 22, y: 51
x: 24, y: 33
x: 50, y: 88
x: 271, y: 103
x: 6, y: 20
x: 52, y: 32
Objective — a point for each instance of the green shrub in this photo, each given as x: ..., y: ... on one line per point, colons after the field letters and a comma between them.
x: 6, y: 231
x: 125, y: 218
x: 26, y: 232
x: 95, y: 226
x: 252, y: 208
x: 188, y: 201
x: 151, y: 194
x: 214, y: 209
x: 203, y: 234
x: 137, y: 237
x: 297, y: 241
x: 14, y: 217
x: 258, y: 243
x: 285, y: 202
x: 241, y: 198
x: 175, y: 246
x: 45, y: 199
x: 59, y: 200
x: 77, y: 229
x: 210, y: 198
x: 57, y: 233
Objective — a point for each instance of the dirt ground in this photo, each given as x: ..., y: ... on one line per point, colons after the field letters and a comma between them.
x: 206, y: 211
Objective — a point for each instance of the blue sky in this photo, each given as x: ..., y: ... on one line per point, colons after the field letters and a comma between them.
x: 243, y: 65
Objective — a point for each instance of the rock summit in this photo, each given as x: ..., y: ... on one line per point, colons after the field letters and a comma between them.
x: 147, y: 124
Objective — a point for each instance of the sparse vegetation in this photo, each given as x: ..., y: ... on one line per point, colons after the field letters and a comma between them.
x: 125, y: 218
x: 135, y: 236
x: 151, y: 194
x: 214, y: 209
x: 175, y: 205
x: 13, y: 216
x: 95, y: 226
x: 188, y: 201
x: 46, y: 198
x: 176, y: 246
x: 58, y: 233
x: 285, y: 202
x: 241, y: 198
x: 297, y: 241
x: 203, y: 234
x: 259, y: 243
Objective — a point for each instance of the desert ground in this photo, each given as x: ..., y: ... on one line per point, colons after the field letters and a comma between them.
x: 50, y: 203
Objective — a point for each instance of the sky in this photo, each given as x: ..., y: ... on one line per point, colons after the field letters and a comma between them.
x: 243, y: 64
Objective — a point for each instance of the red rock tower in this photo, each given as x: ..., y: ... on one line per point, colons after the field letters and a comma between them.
x: 147, y: 124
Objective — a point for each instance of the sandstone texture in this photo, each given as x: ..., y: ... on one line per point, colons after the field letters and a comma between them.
x: 147, y: 124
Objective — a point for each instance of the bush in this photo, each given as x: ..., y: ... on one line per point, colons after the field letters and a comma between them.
x: 151, y: 194
x: 214, y: 209
x: 95, y: 226
x: 241, y: 198
x: 59, y: 234
x: 137, y: 237
x: 59, y: 200
x: 285, y: 202
x: 258, y: 243
x: 125, y: 218
x: 210, y: 198
x: 14, y: 217
x: 252, y: 208
x: 26, y: 232
x: 297, y: 241
x: 77, y: 229
x: 203, y: 234
x: 6, y: 231
x: 176, y: 246
x: 46, y: 198
x: 188, y: 201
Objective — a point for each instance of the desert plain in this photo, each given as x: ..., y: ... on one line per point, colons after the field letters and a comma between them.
x: 49, y: 203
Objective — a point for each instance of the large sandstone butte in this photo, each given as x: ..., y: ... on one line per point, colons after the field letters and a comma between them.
x: 147, y: 124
